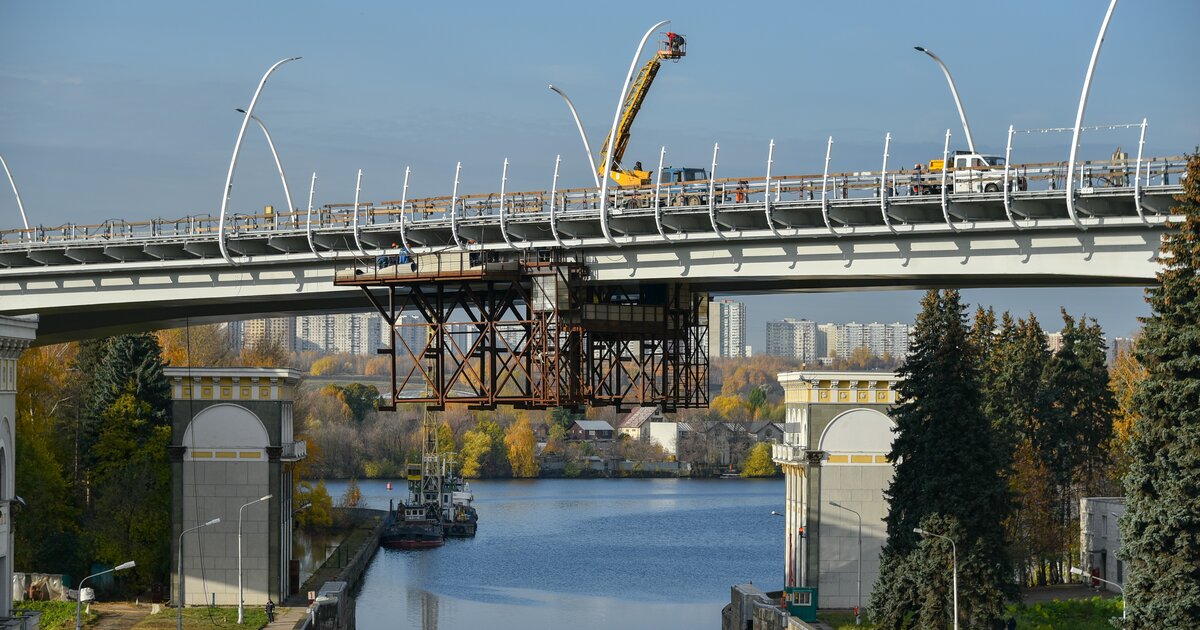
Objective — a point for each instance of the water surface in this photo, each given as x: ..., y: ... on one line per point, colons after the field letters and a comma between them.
x: 582, y: 554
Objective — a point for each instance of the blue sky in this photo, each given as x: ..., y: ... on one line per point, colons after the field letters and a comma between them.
x: 125, y: 109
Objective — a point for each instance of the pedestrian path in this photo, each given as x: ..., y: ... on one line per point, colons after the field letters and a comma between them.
x: 286, y: 618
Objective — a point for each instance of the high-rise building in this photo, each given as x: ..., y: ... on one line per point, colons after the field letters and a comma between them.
x: 351, y: 333
x: 827, y: 339
x: 850, y: 338
x: 1119, y: 345
x: 793, y: 338
x: 1054, y: 341
x: 727, y: 329
x: 895, y: 340
x: 279, y: 331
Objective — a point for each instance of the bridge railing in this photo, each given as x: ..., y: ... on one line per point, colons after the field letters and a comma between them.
x: 583, y: 203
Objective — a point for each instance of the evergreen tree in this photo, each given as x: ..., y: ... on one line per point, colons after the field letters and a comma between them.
x: 1160, y: 532
x: 948, y: 466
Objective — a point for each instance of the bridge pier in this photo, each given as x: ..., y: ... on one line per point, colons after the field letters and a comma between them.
x: 16, y: 333
x: 533, y: 331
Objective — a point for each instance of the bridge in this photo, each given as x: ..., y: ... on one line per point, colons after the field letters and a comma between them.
x: 883, y: 229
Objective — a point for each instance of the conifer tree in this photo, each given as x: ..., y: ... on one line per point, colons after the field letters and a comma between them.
x: 1160, y: 532
x: 948, y: 474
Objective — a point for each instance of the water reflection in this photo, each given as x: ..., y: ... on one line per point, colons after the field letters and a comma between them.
x: 311, y: 549
x: 588, y: 554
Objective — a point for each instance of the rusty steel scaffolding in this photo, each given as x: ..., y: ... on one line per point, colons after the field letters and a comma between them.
x: 533, y: 332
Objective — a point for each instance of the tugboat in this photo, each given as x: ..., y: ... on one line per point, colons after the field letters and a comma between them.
x: 413, y: 527
x: 460, y: 518
x: 417, y: 523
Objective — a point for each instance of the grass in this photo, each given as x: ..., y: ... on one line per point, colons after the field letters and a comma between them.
x: 203, y: 618
x: 55, y: 615
x: 1075, y: 614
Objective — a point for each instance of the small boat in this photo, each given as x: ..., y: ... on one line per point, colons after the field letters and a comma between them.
x: 461, y: 519
x: 413, y: 527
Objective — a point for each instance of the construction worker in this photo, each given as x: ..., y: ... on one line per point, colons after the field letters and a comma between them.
x: 739, y: 193
x: 675, y: 42
x: 916, y: 188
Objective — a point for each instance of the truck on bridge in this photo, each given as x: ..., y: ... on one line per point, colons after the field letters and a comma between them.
x: 970, y: 173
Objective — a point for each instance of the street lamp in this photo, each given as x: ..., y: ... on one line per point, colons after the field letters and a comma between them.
x: 1080, y: 573
x: 612, y: 135
x: 237, y: 148
x: 179, y: 623
x: 240, y: 549
x: 21, y: 206
x: 858, y: 605
x: 79, y: 593
x: 287, y: 193
x: 582, y: 134
x: 953, y: 92
x: 1083, y: 98
x: 954, y: 550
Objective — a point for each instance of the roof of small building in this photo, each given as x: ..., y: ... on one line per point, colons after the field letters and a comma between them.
x: 758, y: 427
x: 637, y: 417
x: 593, y: 425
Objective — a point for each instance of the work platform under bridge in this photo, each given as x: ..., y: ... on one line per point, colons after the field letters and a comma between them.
x: 527, y: 329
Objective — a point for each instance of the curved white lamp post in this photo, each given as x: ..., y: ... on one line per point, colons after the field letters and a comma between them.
x: 21, y: 206
x: 1083, y: 97
x: 613, y: 132
x: 237, y: 148
x: 287, y: 193
x: 79, y: 593
x: 240, y: 596
x: 587, y: 147
x: 962, y: 115
x: 1081, y: 574
x: 953, y: 550
x: 182, y: 577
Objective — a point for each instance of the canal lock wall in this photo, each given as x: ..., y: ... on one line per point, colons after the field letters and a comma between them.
x: 332, y: 608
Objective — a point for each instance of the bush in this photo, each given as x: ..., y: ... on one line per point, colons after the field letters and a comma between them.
x: 55, y: 615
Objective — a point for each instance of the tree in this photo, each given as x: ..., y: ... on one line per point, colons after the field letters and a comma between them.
x: 46, y: 530
x: 483, y: 452
x: 522, y: 447
x: 948, y: 466
x: 353, y: 493
x: 206, y: 345
x: 131, y: 452
x: 759, y: 463
x: 1160, y: 531
x: 1125, y: 377
x: 319, y: 513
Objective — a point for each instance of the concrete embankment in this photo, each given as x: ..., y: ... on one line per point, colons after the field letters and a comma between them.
x: 332, y: 607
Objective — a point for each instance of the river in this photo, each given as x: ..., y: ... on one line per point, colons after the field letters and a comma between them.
x: 581, y: 554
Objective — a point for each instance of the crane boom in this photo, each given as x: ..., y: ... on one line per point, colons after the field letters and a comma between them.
x: 673, y: 48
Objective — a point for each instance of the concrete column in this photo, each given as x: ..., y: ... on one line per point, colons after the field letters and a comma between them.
x: 16, y: 333
x: 812, y: 511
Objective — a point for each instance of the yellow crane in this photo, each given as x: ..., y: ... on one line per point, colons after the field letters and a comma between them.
x: 674, y: 47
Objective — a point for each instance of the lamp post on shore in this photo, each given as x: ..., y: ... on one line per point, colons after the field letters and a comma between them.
x: 79, y: 593
x: 1080, y: 573
x: 858, y: 602
x: 953, y: 550
x: 240, y: 596
x: 179, y: 619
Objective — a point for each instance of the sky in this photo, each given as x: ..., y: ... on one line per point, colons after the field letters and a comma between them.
x: 124, y: 109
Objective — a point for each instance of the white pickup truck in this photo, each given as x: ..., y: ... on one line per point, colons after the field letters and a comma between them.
x: 971, y: 173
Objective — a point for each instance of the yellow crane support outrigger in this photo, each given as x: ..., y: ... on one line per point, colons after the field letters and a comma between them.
x: 674, y: 47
